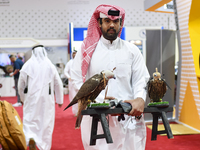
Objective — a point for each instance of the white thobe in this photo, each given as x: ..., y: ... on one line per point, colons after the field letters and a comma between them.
x: 39, y: 105
x: 72, y: 91
x: 131, y: 78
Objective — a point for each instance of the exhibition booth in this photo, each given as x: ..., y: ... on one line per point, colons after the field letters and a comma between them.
x: 173, y: 48
x: 161, y: 48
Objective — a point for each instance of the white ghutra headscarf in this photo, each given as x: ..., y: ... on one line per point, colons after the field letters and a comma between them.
x: 39, y: 68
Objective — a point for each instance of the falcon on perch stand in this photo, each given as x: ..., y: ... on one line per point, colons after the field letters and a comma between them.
x: 89, y: 91
x: 157, y: 88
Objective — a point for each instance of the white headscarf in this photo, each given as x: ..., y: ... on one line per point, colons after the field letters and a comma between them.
x: 39, y: 68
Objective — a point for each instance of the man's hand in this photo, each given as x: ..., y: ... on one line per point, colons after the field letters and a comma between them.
x: 15, y: 72
x: 137, y: 106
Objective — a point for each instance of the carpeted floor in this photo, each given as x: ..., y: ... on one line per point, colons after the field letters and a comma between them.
x: 180, y: 142
x: 66, y: 137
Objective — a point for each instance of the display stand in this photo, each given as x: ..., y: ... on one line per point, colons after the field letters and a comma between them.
x: 100, y: 115
x: 160, y: 113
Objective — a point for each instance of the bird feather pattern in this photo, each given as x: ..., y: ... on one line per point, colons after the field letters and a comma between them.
x: 89, y: 91
x: 156, y: 90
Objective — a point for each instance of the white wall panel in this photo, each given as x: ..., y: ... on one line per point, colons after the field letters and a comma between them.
x: 49, y: 19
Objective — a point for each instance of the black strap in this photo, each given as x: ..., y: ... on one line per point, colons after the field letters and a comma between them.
x: 113, y: 12
x: 50, y: 88
x: 37, y: 46
x: 26, y: 88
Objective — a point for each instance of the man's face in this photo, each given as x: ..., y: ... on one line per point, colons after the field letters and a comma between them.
x: 110, y: 28
x: 12, y: 59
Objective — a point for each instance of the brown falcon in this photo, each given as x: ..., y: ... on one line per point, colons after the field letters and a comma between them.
x: 89, y: 91
x: 7, y: 69
x: 156, y: 87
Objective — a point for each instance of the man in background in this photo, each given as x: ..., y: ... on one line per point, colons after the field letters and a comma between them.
x: 72, y: 92
x: 17, y: 64
x: 38, y: 81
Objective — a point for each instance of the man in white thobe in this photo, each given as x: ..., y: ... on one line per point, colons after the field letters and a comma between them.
x: 72, y: 91
x: 102, y: 49
x: 38, y: 81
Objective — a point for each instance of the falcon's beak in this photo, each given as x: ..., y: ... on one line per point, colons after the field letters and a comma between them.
x: 114, y: 77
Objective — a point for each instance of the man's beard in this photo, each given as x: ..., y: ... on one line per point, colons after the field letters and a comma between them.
x: 109, y: 36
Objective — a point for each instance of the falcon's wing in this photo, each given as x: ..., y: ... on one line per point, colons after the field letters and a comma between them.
x: 164, y: 88
x: 87, y: 88
x: 149, y: 87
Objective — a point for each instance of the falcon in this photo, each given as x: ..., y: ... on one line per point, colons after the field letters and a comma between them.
x: 89, y: 91
x: 7, y: 69
x: 157, y: 87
